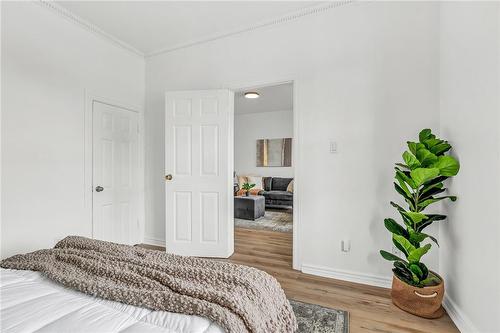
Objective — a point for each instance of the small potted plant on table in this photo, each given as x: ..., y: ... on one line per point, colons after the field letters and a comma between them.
x: 247, y: 187
x: 419, y: 180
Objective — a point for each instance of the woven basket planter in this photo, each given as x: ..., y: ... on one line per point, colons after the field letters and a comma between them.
x: 423, y: 302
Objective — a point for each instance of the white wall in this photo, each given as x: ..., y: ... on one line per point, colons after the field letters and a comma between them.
x: 366, y: 77
x: 250, y: 127
x: 470, y: 108
x: 47, y: 63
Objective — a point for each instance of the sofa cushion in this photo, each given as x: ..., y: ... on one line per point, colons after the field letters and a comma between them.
x: 257, y: 181
x: 280, y: 184
x: 266, y: 183
x: 278, y: 195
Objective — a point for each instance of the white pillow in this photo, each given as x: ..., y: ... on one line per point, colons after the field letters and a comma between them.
x: 257, y: 180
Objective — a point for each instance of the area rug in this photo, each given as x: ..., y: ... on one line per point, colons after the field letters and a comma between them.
x: 318, y: 319
x: 274, y: 219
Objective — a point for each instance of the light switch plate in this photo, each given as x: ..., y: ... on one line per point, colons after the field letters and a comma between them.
x: 333, y: 147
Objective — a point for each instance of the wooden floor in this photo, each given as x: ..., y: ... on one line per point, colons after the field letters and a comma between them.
x: 370, y: 308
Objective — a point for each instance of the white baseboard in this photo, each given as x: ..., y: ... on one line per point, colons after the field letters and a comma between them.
x: 372, y: 280
x: 462, y: 322
x: 154, y: 241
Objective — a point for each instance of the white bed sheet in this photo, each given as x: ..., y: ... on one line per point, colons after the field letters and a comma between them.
x: 30, y: 302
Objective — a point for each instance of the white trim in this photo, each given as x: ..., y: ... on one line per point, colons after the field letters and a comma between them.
x: 68, y: 15
x: 356, y: 277
x: 281, y: 19
x: 463, y: 323
x: 297, y: 138
x: 154, y: 241
x: 88, y: 160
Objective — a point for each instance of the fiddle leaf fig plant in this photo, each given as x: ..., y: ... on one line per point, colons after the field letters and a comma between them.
x: 420, y: 182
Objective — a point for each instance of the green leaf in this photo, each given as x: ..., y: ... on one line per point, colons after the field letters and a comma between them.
x: 404, y: 243
x: 401, y: 275
x: 440, y: 149
x: 406, y: 194
x: 434, y: 181
x: 447, y: 165
x: 415, y: 255
x: 415, y: 217
x: 425, y: 157
x: 429, y: 143
x: 430, y: 218
x: 431, y: 280
x: 402, y: 178
x: 414, y: 147
x: 424, y: 135
x: 410, y: 160
x: 398, y: 207
x: 417, y: 271
x: 404, y: 166
x: 430, y: 191
x: 391, y: 257
x: 422, y: 175
x: 395, y: 228
x: 424, y: 270
x: 418, y: 237
x: 433, y: 239
x: 427, y: 202
x: 399, y: 247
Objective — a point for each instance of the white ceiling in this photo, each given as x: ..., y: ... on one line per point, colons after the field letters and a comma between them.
x: 151, y: 26
x: 272, y: 98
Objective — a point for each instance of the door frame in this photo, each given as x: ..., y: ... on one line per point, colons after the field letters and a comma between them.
x: 90, y: 98
x: 297, y: 129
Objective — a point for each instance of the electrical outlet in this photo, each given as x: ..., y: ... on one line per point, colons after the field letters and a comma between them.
x: 345, y: 245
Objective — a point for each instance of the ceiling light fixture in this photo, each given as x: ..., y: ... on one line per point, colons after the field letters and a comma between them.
x: 252, y: 94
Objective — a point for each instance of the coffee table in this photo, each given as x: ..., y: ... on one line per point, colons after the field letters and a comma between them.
x: 249, y: 208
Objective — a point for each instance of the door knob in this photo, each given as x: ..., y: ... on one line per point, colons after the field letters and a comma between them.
x: 168, y: 177
x: 99, y: 189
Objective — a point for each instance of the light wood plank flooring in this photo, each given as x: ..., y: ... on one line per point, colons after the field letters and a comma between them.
x: 370, y: 308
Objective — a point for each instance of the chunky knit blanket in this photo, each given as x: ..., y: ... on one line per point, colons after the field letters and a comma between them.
x: 238, y: 298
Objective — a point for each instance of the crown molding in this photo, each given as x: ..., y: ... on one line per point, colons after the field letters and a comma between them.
x: 276, y: 21
x: 64, y: 13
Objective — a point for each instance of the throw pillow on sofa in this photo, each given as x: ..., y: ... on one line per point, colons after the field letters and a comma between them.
x: 242, y: 180
x: 257, y: 181
x: 280, y: 184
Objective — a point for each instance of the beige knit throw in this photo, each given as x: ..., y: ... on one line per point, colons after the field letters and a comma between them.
x: 238, y: 298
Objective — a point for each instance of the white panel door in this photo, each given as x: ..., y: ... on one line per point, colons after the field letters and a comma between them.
x: 115, y: 174
x: 199, y: 161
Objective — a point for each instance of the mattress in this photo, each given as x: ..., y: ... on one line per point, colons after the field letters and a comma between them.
x: 30, y: 302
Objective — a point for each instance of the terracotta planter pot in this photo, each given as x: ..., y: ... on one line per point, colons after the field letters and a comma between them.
x: 423, y: 302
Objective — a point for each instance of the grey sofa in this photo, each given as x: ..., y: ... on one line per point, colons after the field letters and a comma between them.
x: 275, y: 192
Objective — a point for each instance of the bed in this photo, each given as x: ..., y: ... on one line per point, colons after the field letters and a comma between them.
x: 30, y: 302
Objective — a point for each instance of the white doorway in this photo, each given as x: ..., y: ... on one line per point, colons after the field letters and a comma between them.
x: 115, y: 173
x: 263, y: 123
